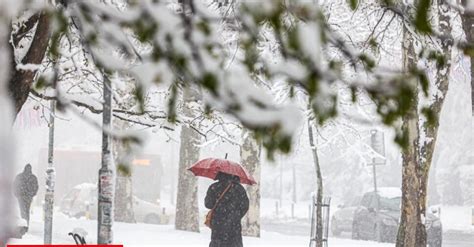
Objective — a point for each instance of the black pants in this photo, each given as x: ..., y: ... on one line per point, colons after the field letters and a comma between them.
x: 237, y: 242
x: 25, y: 206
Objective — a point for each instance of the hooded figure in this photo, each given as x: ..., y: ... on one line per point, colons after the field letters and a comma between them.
x: 226, y: 226
x: 26, y: 187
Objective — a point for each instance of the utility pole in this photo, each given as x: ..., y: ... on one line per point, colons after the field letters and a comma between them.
x: 50, y: 179
x: 106, y: 173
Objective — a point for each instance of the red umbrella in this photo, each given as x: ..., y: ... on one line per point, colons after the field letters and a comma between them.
x: 210, y: 167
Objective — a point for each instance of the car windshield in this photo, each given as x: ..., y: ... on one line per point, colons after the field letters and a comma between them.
x: 390, y: 203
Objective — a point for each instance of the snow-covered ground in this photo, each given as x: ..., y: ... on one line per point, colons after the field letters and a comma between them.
x: 160, y: 235
x: 453, y: 218
x: 457, y: 218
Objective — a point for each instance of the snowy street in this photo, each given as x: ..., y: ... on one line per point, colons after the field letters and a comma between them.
x: 273, y: 234
x: 163, y: 235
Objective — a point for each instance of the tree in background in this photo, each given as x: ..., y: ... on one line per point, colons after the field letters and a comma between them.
x: 319, y: 187
x: 187, y: 210
x: 250, y: 153
x: 123, y: 159
x: 452, y: 192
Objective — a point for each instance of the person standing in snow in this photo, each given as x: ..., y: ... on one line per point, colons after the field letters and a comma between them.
x: 228, y: 211
x: 26, y: 187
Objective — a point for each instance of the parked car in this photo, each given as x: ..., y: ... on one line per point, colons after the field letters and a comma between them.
x: 81, y: 201
x: 341, y: 220
x: 382, y: 226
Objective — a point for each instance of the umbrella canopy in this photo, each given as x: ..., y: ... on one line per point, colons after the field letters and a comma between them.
x: 210, y: 167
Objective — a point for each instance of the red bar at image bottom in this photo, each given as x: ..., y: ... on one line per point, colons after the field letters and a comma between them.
x: 64, y: 245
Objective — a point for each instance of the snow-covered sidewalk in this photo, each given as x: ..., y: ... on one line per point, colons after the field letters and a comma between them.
x: 162, y: 235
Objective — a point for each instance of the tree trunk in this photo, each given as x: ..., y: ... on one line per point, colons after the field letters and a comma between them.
x: 187, y: 211
x: 123, y: 210
x: 418, y: 156
x: 410, y: 221
x: 21, y: 80
x: 319, y: 192
x: 411, y: 230
x: 250, y: 158
x: 428, y: 145
x: 467, y: 20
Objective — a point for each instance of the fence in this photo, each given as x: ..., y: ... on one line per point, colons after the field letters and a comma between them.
x: 325, y: 220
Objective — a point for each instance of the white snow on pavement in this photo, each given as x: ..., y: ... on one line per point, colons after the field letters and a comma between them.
x: 161, y: 235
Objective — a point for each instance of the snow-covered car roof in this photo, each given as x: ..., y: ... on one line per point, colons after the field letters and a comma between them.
x: 388, y: 192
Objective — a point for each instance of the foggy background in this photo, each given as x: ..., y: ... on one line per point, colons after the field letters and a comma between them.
x: 287, y: 178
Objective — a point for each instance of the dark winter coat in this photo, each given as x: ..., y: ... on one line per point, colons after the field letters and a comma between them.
x: 26, y: 187
x: 226, y: 226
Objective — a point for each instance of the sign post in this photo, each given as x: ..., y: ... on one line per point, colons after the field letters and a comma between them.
x: 378, y: 145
